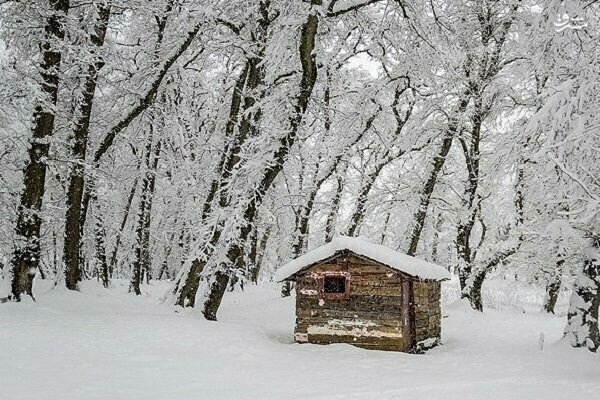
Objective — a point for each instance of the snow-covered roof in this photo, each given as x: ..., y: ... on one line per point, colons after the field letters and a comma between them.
x: 399, y: 261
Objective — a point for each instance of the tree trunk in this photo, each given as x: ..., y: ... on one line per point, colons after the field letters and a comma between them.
x: 432, y: 179
x: 582, y: 319
x: 437, y: 227
x: 54, y: 254
x: 217, y: 289
x: 42, y: 273
x: 386, y: 224
x: 144, y: 103
x: 330, y: 224
x: 307, y: 209
x: 331, y: 216
x: 245, y: 96
x: 164, y: 269
x: 553, y: 287
x: 359, y: 213
x: 113, y: 256
x: 26, y: 259
x: 358, y: 216
x: 477, y: 79
x: 187, y: 287
x: 142, y: 261
x: 234, y: 253
x: 146, y: 214
x: 168, y: 248
x: 303, y: 217
x: 474, y: 296
x: 470, y: 208
x: 474, y: 284
x: 259, y: 254
x: 100, y: 244
x: 72, y: 244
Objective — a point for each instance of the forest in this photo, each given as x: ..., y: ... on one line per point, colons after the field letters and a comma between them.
x: 202, y: 144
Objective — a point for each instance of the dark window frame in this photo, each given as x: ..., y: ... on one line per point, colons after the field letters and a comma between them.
x: 334, y: 284
x: 334, y: 296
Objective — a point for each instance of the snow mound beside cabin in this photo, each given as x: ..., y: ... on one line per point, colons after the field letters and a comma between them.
x: 399, y: 261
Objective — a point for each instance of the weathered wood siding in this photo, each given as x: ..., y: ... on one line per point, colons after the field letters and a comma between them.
x: 372, y: 314
x: 370, y: 317
x: 427, y: 297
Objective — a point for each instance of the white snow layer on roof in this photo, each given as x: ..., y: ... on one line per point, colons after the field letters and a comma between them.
x: 399, y: 261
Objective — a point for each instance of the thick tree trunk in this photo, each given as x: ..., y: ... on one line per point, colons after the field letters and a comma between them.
x: 470, y: 208
x: 488, y: 67
x: 234, y: 253
x: 220, y: 280
x: 26, y: 259
x: 582, y: 320
x: 146, y: 214
x: 474, y: 296
x: 474, y: 283
x: 142, y: 261
x: 72, y: 244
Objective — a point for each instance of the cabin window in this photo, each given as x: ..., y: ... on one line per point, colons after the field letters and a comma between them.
x: 334, y: 284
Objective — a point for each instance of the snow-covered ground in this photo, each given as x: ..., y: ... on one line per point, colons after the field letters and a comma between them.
x: 106, y: 344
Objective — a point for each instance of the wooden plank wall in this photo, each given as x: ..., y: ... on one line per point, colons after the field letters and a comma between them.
x: 427, y: 310
x: 370, y: 317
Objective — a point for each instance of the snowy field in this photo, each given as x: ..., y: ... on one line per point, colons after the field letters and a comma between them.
x: 101, y: 344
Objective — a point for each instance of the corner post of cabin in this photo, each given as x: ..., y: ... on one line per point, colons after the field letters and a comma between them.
x: 408, y: 313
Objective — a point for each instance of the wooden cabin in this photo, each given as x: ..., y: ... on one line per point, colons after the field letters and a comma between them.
x: 353, y: 291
